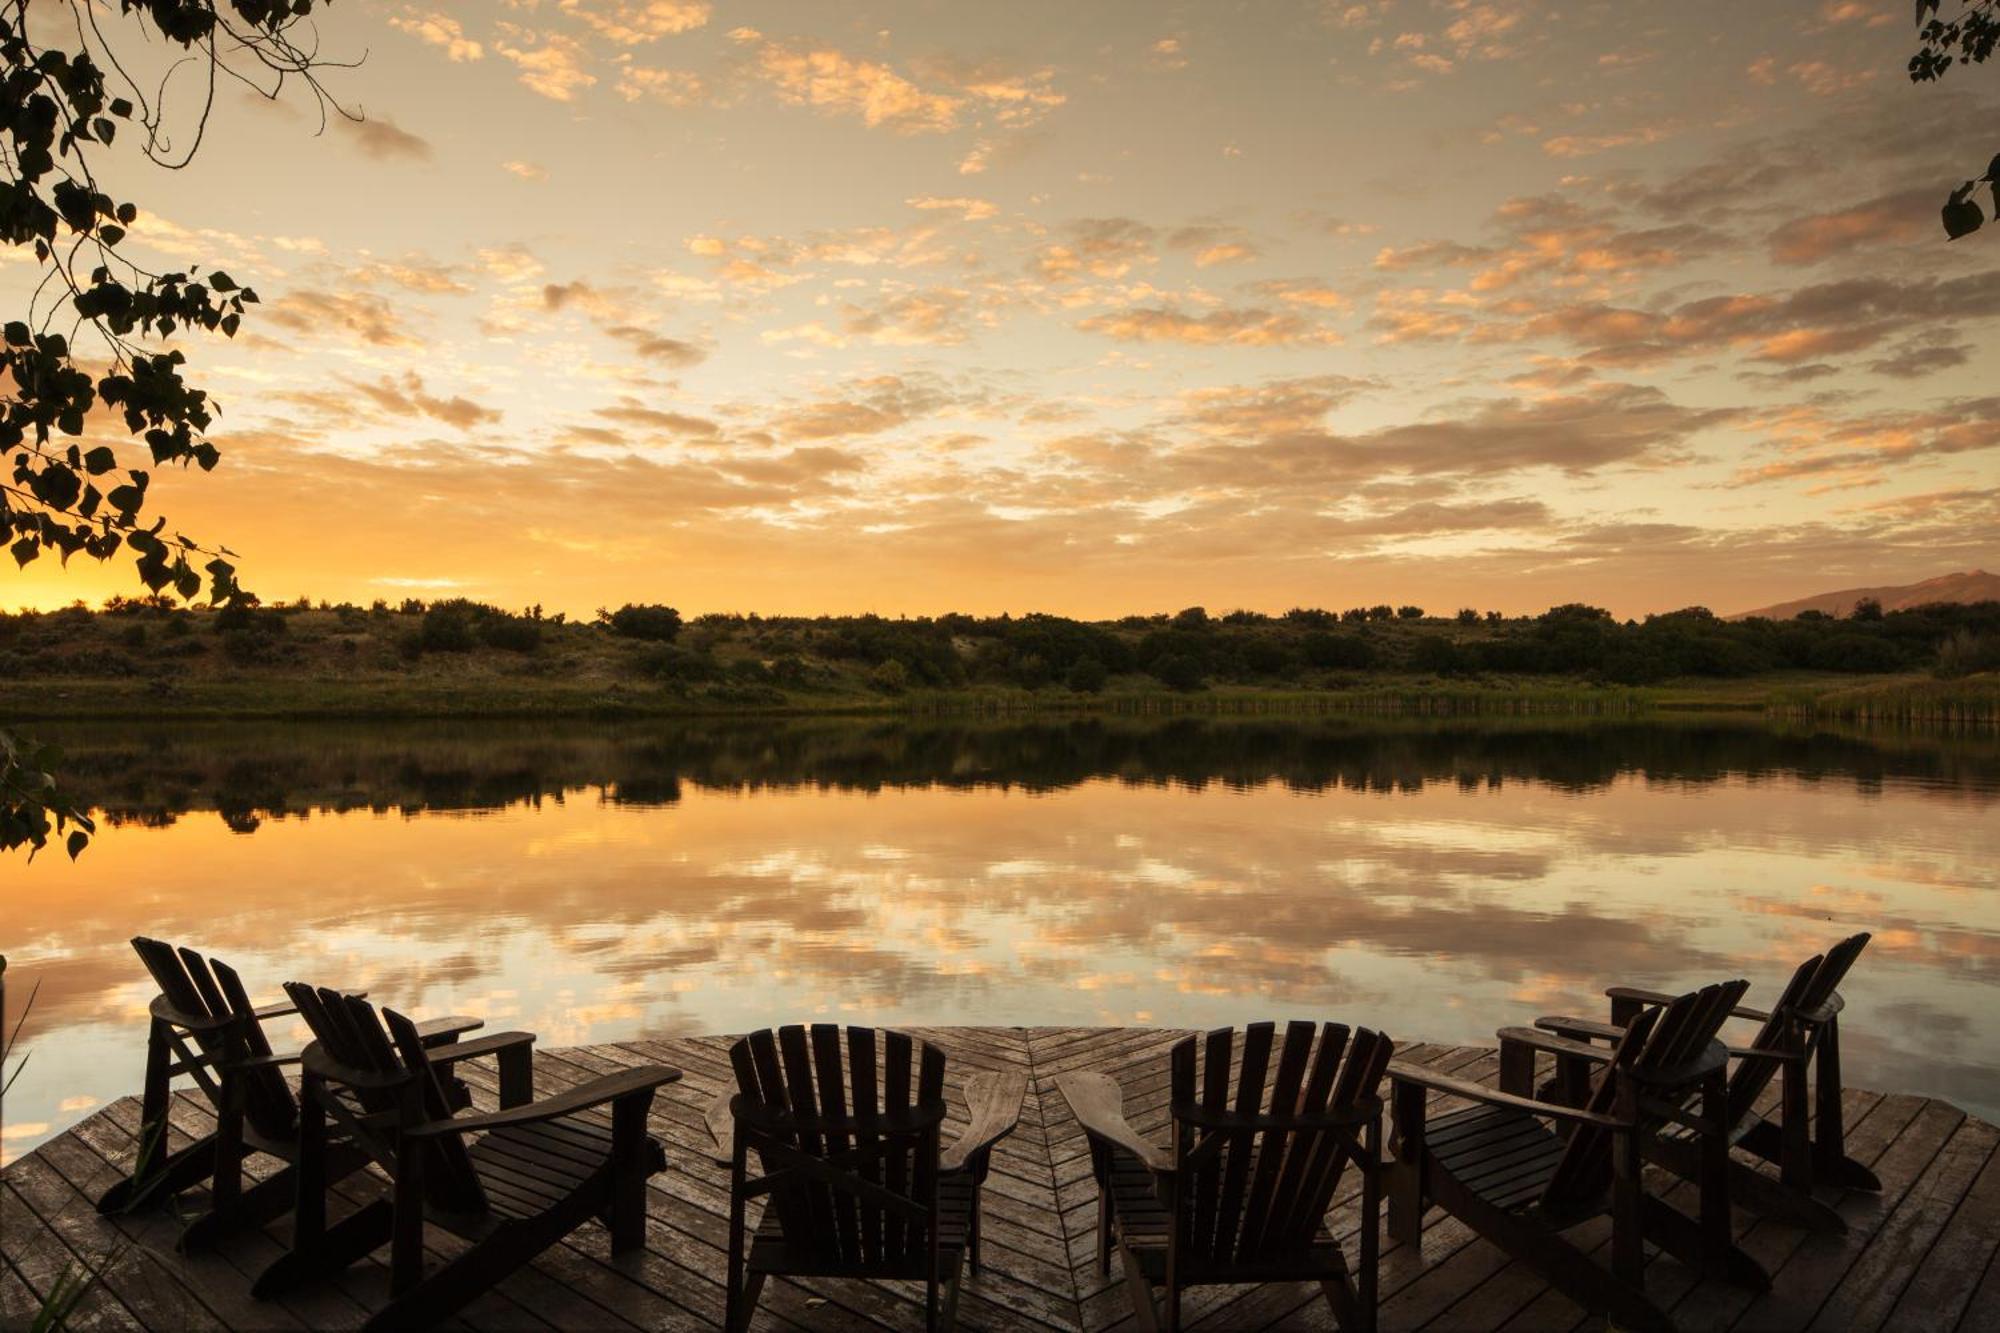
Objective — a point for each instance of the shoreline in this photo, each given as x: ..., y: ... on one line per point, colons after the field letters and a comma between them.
x: 262, y: 697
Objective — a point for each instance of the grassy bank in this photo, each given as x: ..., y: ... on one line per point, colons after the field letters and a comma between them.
x: 470, y: 694
x: 1972, y: 700
x: 344, y: 663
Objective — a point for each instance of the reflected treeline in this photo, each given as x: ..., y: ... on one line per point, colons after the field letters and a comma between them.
x: 249, y: 772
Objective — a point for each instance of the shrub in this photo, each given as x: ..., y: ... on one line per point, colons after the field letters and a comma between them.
x: 1856, y: 653
x: 1178, y: 671
x: 511, y: 634
x: 1440, y: 657
x: 676, y: 666
x: 890, y: 677
x: 447, y: 628
x: 1966, y: 652
x: 1086, y: 676
x: 656, y: 624
x: 1337, y: 652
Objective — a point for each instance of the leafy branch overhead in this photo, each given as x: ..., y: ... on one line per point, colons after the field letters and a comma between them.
x: 93, y: 394
x: 1968, y: 39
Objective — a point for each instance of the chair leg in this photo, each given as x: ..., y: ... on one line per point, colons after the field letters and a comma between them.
x: 1628, y: 1247
x: 1795, y: 1165
x: 629, y: 1171
x: 160, y: 1175
x: 1140, y: 1289
x: 949, y: 1319
x: 266, y: 1201
x: 1348, y: 1311
x: 741, y: 1306
x: 346, y: 1241
x: 1366, y: 1279
x: 972, y: 1240
x: 1406, y: 1174
x: 1830, y: 1157
x: 1103, y: 1173
x: 1686, y: 1239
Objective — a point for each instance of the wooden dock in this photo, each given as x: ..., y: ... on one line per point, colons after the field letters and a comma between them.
x: 1919, y: 1256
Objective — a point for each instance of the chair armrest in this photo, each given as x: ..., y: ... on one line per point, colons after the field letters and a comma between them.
x: 316, y: 1060
x: 438, y: 1029
x: 435, y: 1030
x: 1098, y: 1105
x: 1564, y: 1025
x: 1643, y: 996
x: 264, y: 1061
x: 282, y: 1007
x: 994, y: 1100
x: 1765, y: 1053
x: 1459, y: 1087
x: 583, y: 1097
x: 1554, y: 1045
x: 1639, y: 994
x: 443, y: 1057
x: 163, y: 1009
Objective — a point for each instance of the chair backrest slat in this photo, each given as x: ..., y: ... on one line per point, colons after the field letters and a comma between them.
x: 897, y: 1053
x: 1291, y: 1203
x: 197, y: 970
x: 1207, y: 1178
x: 1658, y: 1041
x: 1272, y: 1156
x: 1258, y: 1171
x: 1813, y: 984
x: 844, y: 1097
x: 200, y: 987
x: 1360, y: 1080
x: 450, y: 1178
x: 363, y: 1043
x: 867, y: 1115
x: 1238, y: 1149
x: 846, y: 1238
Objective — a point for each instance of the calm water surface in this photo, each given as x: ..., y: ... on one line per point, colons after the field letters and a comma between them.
x: 598, y: 882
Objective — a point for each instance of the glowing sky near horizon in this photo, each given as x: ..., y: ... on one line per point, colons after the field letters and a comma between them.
x: 1092, y: 308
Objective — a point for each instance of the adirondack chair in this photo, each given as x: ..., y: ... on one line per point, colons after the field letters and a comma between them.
x: 512, y: 1182
x: 203, y: 1025
x: 1504, y: 1172
x: 1242, y: 1194
x: 856, y: 1182
x: 1798, y: 1041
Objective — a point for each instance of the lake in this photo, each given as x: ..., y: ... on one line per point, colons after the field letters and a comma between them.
x: 597, y: 881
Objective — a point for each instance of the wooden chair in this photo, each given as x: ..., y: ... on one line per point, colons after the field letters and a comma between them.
x: 512, y: 1182
x: 204, y: 1026
x: 1798, y: 1042
x: 1242, y: 1194
x: 1504, y: 1172
x: 856, y: 1182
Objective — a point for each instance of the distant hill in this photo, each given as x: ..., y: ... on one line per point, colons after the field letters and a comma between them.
x: 1972, y: 585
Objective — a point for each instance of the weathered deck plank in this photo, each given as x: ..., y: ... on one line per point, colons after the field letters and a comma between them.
x: 1921, y: 1255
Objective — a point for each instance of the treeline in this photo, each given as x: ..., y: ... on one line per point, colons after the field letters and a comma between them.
x: 153, y: 774
x: 756, y: 656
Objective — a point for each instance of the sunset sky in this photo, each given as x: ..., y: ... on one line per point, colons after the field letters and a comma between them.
x: 1091, y: 308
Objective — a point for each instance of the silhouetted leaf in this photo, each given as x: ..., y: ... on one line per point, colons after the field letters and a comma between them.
x: 1962, y: 217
